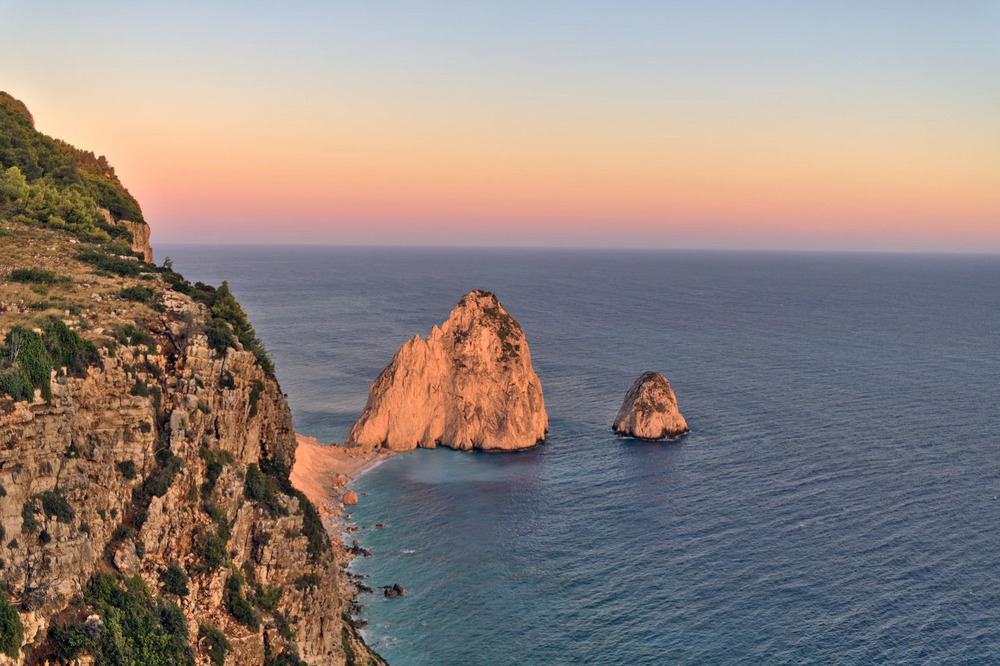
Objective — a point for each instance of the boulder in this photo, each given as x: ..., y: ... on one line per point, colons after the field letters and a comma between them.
x: 350, y: 498
x: 649, y: 410
x: 469, y: 385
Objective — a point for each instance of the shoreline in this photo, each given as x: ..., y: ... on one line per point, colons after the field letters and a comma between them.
x: 323, y: 472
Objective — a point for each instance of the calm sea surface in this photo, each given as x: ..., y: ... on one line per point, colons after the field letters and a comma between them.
x: 837, y: 500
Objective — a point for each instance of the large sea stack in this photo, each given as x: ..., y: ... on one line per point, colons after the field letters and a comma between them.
x: 649, y: 410
x: 469, y: 385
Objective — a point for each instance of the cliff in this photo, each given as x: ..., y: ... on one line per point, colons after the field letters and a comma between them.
x: 469, y: 385
x: 146, y: 513
x: 649, y: 410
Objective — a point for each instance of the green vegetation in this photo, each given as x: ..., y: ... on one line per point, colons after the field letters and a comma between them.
x: 138, y: 293
x: 214, y: 463
x: 345, y: 641
x: 227, y: 308
x: 46, y: 181
x: 238, y: 605
x: 131, y: 335
x: 55, y: 506
x: 138, y: 628
x: 175, y: 579
x: 110, y: 263
x: 29, y: 524
x: 27, y: 358
x: 34, y: 276
x: 256, y: 387
x: 11, y: 629
x: 306, y: 580
x: 157, y: 484
x: 264, y: 490
x: 128, y: 469
x: 212, y: 547
x: 217, y: 643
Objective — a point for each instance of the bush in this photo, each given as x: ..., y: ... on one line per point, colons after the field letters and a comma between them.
x: 238, y: 605
x: 212, y: 549
x: 132, y: 335
x: 137, y: 293
x: 111, y: 263
x: 128, y: 469
x: 138, y: 627
x: 226, y: 307
x: 263, y: 490
x: 175, y: 579
x: 306, y: 580
x: 140, y: 389
x: 158, y: 484
x: 267, y: 597
x: 17, y: 385
x: 34, y: 356
x: 71, y: 640
x: 285, y: 659
x: 219, y: 335
x: 29, y: 524
x: 11, y: 629
x: 33, y: 276
x: 217, y: 643
x: 56, y: 506
x: 256, y: 387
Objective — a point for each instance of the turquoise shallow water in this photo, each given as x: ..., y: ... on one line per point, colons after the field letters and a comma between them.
x: 836, y: 501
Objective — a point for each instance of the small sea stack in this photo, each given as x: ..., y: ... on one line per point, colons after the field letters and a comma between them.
x: 469, y: 385
x: 649, y: 410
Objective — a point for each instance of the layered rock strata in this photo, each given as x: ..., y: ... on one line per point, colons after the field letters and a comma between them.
x: 469, y: 385
x: 649, y: 410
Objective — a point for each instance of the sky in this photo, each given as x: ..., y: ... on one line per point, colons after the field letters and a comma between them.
x: 799, y: 124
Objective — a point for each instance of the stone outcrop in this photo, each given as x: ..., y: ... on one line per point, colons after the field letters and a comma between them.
x: 469, y: 385
x: 103, y: 445
x: 140, y: 234
x: 649, y: 410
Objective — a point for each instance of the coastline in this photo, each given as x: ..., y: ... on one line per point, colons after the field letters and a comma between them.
x: 323, y: 473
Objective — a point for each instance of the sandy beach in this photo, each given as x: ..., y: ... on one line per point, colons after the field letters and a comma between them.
x: 323, y: 471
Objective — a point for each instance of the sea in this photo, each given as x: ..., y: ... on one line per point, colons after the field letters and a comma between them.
x: 837, y: 500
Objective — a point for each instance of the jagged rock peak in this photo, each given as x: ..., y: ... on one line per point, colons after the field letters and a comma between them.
x: 649, y: 410
x: 469, y: 385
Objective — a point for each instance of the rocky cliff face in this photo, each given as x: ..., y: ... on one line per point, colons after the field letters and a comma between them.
x: 469, y: 385
x: 155, y: 456
x: 140, y: 235
x: 649, y: 410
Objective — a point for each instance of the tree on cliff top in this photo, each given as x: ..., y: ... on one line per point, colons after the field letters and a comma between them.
x: 228, y: 309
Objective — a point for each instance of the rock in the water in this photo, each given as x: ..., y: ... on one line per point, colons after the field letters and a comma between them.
x: 395, y: 590
x: 469, y: 385
x: 649, y: 410
x: 350, y: 497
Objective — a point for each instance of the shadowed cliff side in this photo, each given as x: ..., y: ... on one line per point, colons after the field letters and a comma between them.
x: 469, y: 385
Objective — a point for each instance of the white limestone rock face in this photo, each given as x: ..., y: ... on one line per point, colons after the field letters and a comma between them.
x: 469, y: 385
x: 649, y: 410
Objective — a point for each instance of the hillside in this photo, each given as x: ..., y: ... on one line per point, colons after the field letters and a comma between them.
x: 146, y: 514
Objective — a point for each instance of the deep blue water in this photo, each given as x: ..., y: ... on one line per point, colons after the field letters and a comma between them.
x: 835, y: 502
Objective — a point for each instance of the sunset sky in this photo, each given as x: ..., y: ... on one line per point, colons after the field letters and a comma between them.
x: 769, y: 124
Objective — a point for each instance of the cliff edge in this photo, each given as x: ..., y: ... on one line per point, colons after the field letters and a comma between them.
x: 469, y: 385
x: 146, y: 512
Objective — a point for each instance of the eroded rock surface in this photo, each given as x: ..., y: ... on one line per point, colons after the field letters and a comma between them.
x: 649, y: 410
x: 469, y: 385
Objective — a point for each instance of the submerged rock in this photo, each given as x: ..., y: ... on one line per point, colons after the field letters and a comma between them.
x: 649, y: 410
x: 469, y: 385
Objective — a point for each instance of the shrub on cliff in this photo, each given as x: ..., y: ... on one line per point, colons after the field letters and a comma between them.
x: 175, y: 579
x: 227, y: 308
x: 137, y: 293
x: 238, y: 605
x: 11, y: 629
x: 55, y: 506
x: 216, y: 642
x: 33, y: 276
x: 138, y: 627
x: 29, y: 357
